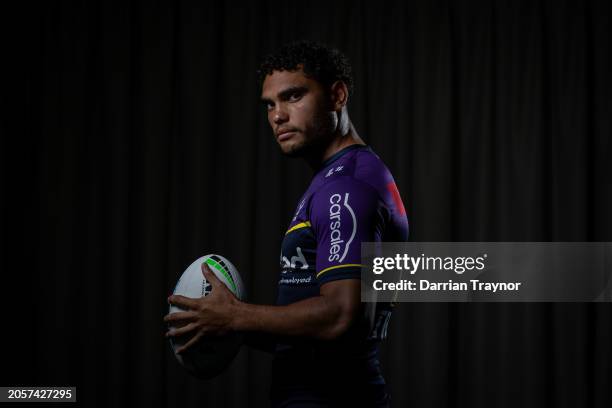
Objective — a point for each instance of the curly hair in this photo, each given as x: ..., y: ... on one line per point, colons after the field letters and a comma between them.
x: 320, y: 62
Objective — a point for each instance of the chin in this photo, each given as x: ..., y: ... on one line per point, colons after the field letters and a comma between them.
x: 293, y: 152
x: 293, y: 149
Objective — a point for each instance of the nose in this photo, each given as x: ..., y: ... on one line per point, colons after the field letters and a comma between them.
x: 279, y: 115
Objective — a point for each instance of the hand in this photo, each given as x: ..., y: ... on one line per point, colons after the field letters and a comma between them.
x: 209, y: 315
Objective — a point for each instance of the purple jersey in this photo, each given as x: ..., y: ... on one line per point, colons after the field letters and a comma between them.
x: 351, y: 199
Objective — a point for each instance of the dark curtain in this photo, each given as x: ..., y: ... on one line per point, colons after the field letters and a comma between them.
x: 136, y: 143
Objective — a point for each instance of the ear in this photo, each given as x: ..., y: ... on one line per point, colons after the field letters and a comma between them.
x: 339, y: 95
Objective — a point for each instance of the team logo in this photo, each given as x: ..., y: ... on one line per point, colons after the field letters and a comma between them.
x: 338, y: 247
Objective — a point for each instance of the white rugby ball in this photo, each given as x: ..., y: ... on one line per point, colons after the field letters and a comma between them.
x: 211, y: 354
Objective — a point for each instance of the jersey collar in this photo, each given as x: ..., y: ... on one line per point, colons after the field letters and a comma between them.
x: 341, y: 153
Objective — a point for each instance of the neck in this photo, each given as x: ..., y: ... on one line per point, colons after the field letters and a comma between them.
x: 344, y: 136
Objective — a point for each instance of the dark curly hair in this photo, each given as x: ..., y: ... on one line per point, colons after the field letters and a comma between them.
x: 320, y: 62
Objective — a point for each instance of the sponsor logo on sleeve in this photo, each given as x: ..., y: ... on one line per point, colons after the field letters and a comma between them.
x: 338, y: 248
x: 295, y: 260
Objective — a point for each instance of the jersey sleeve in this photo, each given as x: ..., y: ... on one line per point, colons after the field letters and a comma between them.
x: 343, y: 213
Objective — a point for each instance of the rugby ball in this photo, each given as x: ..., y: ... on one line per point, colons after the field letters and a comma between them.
x: 210, y: 355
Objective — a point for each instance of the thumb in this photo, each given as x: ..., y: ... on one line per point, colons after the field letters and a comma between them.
x: 210, y: 276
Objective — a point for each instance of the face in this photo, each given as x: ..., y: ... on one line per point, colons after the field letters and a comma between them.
x: 299, y: 112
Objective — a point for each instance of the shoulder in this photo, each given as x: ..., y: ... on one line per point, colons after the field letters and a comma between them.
x: 360, y: 169
x: 354, y: 183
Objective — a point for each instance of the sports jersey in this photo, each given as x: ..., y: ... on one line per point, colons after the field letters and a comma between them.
x: 351, y: 199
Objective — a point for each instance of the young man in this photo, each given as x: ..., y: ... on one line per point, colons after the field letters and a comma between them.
x: 326, y: 340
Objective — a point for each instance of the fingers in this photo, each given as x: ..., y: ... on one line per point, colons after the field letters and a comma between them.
x: 179, y: 317
x: 182, y: 301
x: 181, y: 330
x: 190, y: 343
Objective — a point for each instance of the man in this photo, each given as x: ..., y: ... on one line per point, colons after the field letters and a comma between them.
x: 326, y: 340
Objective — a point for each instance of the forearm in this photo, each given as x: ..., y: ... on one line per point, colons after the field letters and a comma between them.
x: 316, y: 317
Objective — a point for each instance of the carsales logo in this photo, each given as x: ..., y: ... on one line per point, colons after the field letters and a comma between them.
x: 335, y: 225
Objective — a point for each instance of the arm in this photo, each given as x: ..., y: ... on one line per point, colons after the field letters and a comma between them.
x: 323, y: 317
x: 354, y: 206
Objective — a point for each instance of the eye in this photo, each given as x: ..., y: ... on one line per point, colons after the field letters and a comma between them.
x: 296, y: 96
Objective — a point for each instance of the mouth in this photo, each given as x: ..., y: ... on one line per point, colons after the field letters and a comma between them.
x: 284, y: 136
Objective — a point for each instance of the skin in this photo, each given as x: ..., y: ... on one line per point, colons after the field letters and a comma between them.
x: 318, y: 125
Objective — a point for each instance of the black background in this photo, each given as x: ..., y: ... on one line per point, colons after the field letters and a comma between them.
x: 134, y: 142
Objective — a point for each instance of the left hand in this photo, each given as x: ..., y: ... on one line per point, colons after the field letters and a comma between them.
x: 209, y: 315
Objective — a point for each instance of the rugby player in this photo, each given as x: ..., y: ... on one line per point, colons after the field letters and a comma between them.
x: 325, y: 339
